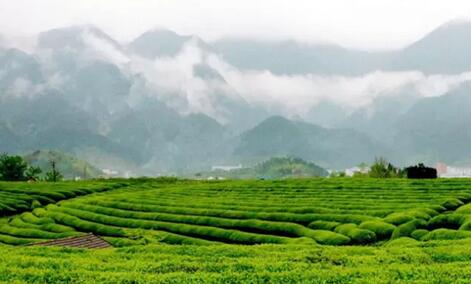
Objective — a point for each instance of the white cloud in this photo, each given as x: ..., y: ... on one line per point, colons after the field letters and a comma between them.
x: 21, y: 87
x: 104, y: 48
x: 364, y: 24
x: 298, y: 94
x: 173, y: 80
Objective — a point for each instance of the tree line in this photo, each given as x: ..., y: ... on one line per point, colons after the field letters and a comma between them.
x: 15, y: 168
x: 381, y: 168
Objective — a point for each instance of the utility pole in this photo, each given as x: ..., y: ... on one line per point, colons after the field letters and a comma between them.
x: 54, y: 172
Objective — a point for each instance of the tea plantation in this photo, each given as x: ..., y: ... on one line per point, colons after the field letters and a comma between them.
x: 300, y: 230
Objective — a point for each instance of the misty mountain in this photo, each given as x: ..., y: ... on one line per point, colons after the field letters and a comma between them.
x: 19, y: 71
x: 438, y: 128
x: 446, y: 49
x: 72, y: 38
x: 167, y: 103
x: 158, y: 43
x: 382, y: 117
x: 289, y: 57
x: 329, y: 147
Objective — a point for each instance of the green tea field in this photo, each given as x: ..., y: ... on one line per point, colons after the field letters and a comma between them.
x: 285, y: 231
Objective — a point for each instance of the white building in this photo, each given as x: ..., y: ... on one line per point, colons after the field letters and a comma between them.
x: 446, y: 171
x: 226, y: 168
x: 351, y: 171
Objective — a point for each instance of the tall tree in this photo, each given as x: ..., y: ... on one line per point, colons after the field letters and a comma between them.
x: 12, y: 168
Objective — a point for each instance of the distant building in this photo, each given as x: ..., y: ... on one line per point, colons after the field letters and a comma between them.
x: 215, y: 178
x: 351, y: 171
x: 441, y: 168
x: 445, y: 171
x: 109, y: 173
x: 226, y: 168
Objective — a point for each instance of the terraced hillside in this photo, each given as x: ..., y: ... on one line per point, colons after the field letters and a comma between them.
x: 324, y: 211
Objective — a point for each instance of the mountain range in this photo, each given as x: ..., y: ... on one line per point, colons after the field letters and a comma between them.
x: 166, y: 103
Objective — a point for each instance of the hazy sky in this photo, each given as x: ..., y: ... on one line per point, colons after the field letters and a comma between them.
x: 367, y: 24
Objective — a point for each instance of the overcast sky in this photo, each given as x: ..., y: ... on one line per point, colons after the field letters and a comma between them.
x: 368, y: 24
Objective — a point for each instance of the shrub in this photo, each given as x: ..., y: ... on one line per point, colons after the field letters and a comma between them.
x: 452, y: 204
x: 448, y: 221
x: 446, y: 234
x: 35, y: 204
x: 50, y: 227
x: 466, y: 226
x: 86, y: 226
x: 269, y: 227
x: 185, y: 229
x: 398, y: 218
x: 465, y: 209
x: 402, y: 242
x: 330, y: 238
x: 123, y: 242
x: 32, y: 219
x: 406, y: 229
x: 10, y: 240
x: 419, y: 233
x: 359, y: 236
x: 382, y: 230
x: 33, y: 233
x: 323, y: 225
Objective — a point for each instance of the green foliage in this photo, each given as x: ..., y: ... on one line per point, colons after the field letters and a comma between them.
x: 419, y: 234
x: 358, y: 236
x: 288, y: 167
x: 404, y: 260
x: 381, y: 168
x: 446, y: 234
x: 204, y: 229
x: 273, y: 168
x: 465, y: 209
x: 324, y: 225
x: 337, y: 174
x: 398, y: 218
x: 452, y: 204
x: 402, y: 242
x: 382, y: 230
x: 23, y: 196
x: 53, y: 175
x: 12, y: 168
x: 296, y: 211
x: 406, y: 229
x: 449, y: 221
x: 32, y: 173
x: 35, y: 204
x: 69, y: 166
x: 330, y: 238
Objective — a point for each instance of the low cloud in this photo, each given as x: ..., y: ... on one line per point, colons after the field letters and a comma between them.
x: 104, y: 48
x: 298, y: 94
x: 173, y: 80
